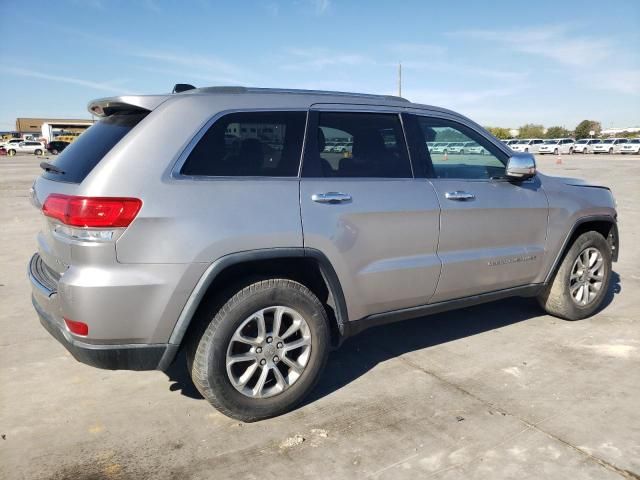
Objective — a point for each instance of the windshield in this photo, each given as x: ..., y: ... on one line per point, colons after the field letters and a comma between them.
x: 635, y: 140
x: 582, y: 141
x: 608, y: 141
x: 551, y: 142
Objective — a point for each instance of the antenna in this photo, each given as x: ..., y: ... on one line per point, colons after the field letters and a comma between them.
x: 400, y: 79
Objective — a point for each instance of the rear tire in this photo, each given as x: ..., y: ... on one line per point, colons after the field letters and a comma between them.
x: 611, y: 151
x: 561, y: 297
x: 555, y: 152
x: 11, y: 153
x: 236, y: 387
x: 38, y: 152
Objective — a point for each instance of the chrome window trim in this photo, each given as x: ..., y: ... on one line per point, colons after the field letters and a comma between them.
x: 184, y: 155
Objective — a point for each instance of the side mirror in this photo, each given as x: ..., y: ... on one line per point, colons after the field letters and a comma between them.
x: 521, y: 166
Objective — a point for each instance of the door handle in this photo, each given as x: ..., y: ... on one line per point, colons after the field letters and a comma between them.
x: 459, y: 195
x: 331, y: 197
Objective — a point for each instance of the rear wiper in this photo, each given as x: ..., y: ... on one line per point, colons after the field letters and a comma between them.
x: 50, y: 167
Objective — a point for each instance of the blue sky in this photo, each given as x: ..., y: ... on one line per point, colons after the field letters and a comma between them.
x: 501, y: 62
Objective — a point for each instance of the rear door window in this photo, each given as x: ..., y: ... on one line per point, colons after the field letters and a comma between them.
x: 249, y: 144
x: 81, y: 156
x: 350, y: 144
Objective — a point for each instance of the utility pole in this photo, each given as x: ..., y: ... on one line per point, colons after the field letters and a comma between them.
x: 400, y: 79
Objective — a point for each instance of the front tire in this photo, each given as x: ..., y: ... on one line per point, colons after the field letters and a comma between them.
x: 581, y: 283
x: 611, y: 151
x: 262, y: 352
x: 38, y: 152
x: 11, y: 153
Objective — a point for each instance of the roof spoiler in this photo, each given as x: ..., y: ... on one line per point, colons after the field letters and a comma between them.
x: 103, y: 107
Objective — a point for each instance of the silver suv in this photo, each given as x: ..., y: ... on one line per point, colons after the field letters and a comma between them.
x: 215, y: 222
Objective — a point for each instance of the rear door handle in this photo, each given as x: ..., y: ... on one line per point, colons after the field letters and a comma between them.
x: 459, y: 195
x: 331, y: 197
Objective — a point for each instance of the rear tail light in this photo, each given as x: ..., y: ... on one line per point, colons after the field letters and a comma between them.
x: 78, y: 328
x: 92, y: 212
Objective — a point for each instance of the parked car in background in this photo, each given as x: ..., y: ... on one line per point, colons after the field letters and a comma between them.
x: 527, y: 145
x: 330, y: 146
x: 609, y: 145
x: 455, y: 147
x: 26, y: 147
x: 585, y: 145
x: 14, y: 141
x: 440, y: 147
x: 511, y: 141
x: 475, y: 148
x: 57, y: 146
x: 632, y: 146
x: 557, y: 146
x: 343, y: 147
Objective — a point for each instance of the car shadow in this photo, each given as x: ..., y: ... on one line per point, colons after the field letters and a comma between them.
x: 363, y: 352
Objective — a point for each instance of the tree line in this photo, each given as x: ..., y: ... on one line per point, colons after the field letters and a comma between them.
x: 531, y: 130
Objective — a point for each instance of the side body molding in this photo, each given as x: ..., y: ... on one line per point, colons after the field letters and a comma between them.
x: 200, y: 290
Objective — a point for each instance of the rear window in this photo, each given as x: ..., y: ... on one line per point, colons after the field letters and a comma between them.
x: 250, y: 144
x: 81, y: 156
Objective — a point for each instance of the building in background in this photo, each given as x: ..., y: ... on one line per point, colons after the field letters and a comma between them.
x: 615, y: 131
x: 51, y: 128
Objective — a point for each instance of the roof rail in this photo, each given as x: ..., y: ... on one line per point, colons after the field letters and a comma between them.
x: 238, y: 89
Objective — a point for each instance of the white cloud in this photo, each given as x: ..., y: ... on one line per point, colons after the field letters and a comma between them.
x: 459, y: 98
x: 23, y: 72
x: 202, y: 66
x: 625, y: 81
x: 424, y: 51
x: 559, y: 43
x: 320, y: 58
x: 321, y: 6
x: 272, y: 8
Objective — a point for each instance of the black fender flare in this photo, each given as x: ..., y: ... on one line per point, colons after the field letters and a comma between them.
x: 613, y: 240
x: 188, y: 311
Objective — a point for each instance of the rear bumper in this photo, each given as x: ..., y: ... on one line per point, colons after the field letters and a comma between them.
x: 134, y: 356
x: 110, y: 357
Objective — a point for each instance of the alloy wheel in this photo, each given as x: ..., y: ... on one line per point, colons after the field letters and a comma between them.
x: 268, y: 352
x: 587, y: 276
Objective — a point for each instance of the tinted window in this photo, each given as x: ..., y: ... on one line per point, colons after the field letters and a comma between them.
x: 80, y: 157
x: 440, y: 161
x: 249, y: 144
x: 367, y: 145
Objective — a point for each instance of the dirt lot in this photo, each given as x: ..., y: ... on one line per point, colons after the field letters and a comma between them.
x: 496, y: 391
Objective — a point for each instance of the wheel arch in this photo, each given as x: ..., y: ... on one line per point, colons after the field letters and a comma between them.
x: 606, y: 225
x: 306, y: 265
